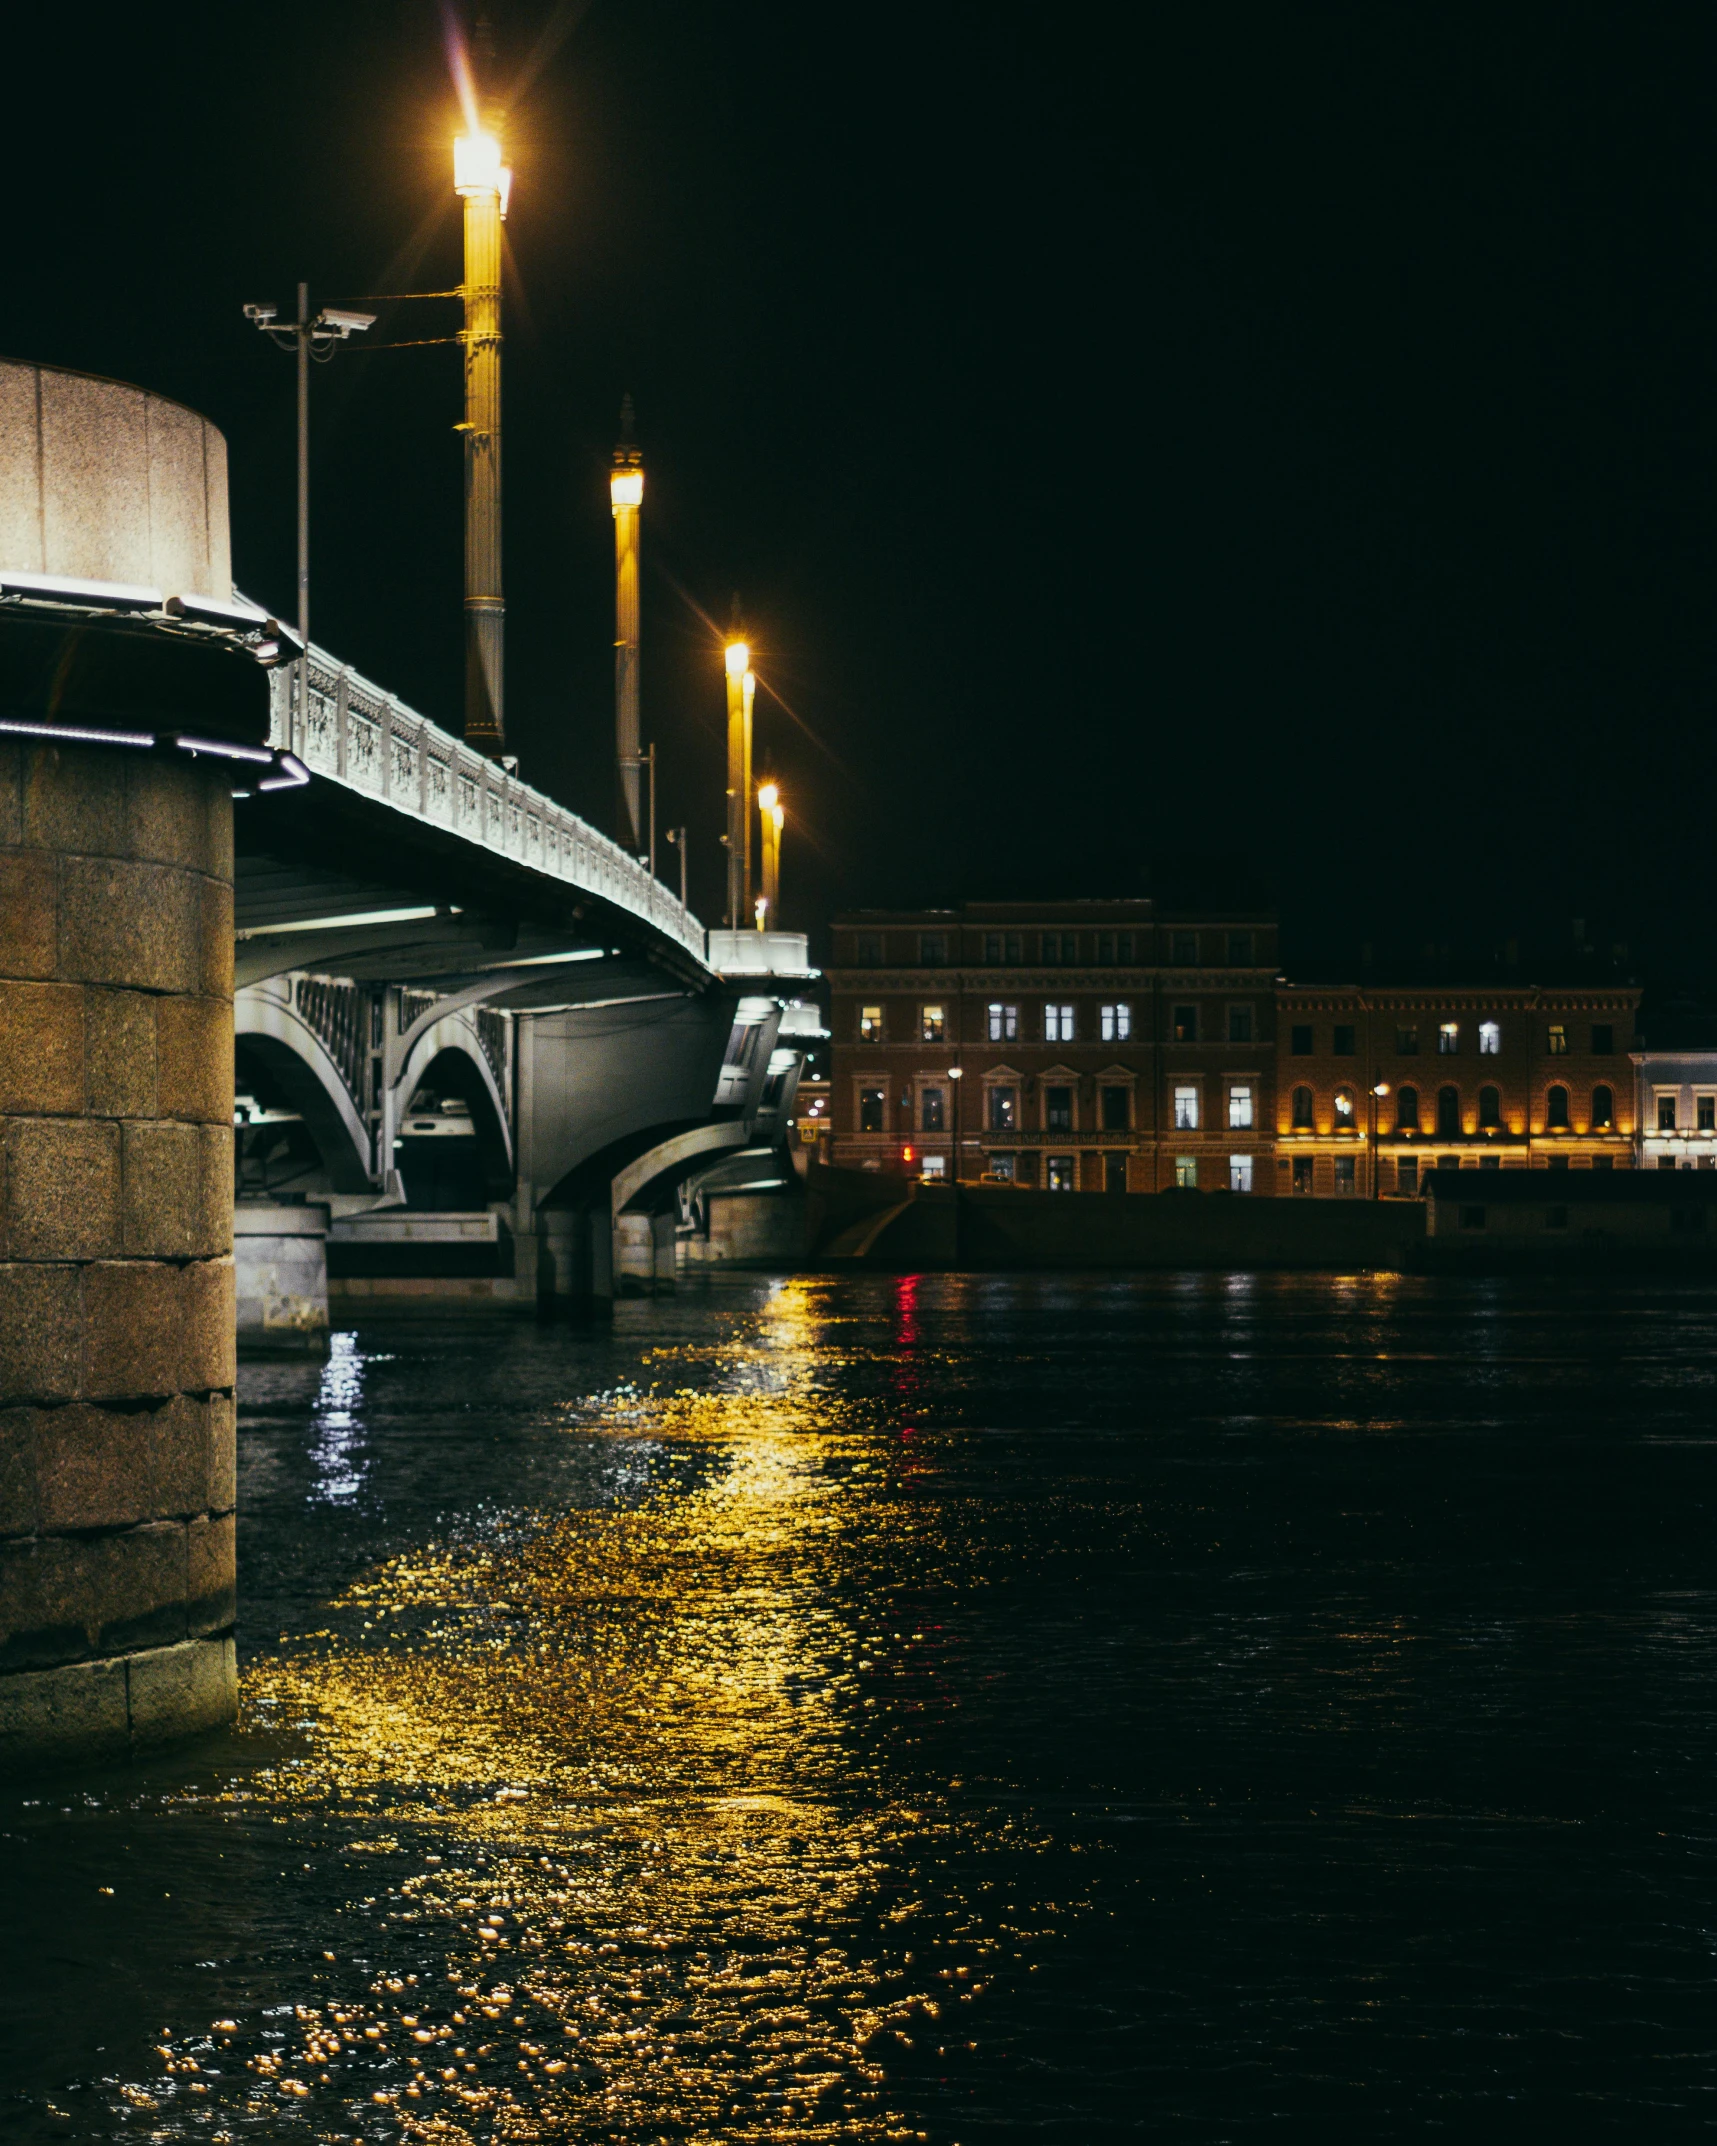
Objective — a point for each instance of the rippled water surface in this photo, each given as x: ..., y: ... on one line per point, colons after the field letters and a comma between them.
x: 938, y: 1709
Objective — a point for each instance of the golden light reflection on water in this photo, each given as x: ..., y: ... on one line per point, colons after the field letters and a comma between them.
x: 634, y: 1881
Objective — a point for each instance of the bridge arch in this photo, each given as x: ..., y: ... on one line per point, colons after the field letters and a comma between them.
x: 269, y: 1027
x: 448, y: 1058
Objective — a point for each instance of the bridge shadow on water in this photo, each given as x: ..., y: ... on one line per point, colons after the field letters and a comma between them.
x: 929, y: 1707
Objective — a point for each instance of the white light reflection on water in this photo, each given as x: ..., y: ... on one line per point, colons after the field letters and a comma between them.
x: 335, y: 1422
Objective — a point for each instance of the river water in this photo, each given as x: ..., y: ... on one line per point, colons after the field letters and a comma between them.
x: 951, y: 1708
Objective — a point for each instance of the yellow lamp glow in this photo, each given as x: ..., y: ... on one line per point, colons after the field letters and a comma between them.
x: 477, y: 167
x: 738, y: 659
x: 768, y: 796
x: 626, y: 488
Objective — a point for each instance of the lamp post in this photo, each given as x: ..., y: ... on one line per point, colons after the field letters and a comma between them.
x: 737, y: 658
x: 308, y: 339
x: 1379, y: 1090
x: 626, y: 496
x: 483, y: 181
x: 773, y: 819
x: 677, y: 836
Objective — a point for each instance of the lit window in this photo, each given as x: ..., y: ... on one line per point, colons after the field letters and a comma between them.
x: 1004, y: 1022
x: 1002, y: 1166
x: 1115, y: 1023
x: 1186, y: 1110
x: 1004, y: 1109
x: 1302, y: 1119
x: 1490, y: 1039
x: 870, y: 1024
x: 1240, y: 1111
x: 1186, y: 1173
x: 1449, y: 1038
x: 1558, y: 1040
x: 1666, y: 1113
x: 934, y: 1109
x: 1186, y: 1024
x: 1300, y: 1040
x: 1345, y: 1177
x: 1058, y: 1110
x: 1240, y: 1173
x: 1344, y: 1119
x: 934, y: 1166
x: 1058, y: 1024
x: 1490, y: 1109
x: 1061, y: 1177
x: 1556, y: 1110
x: 1604, y: 1110
x: 1184, y: 953
x: 871, y: 1101
x: 1302, y: 1173
x: 1344, y: 1044
x: 1407, y: 1042
x: 930, y: 1024
x: 1407, y: 1110
x: 1240, y: 1024
x: 1115, y: 1109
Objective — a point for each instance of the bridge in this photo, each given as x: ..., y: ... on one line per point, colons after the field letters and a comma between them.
x: 282, y: 963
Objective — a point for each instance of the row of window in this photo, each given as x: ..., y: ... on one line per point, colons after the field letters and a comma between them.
x: 1059, y: 1106
x: 1060, y: 1023
x: 1061, y: 1172
x: 1704, y: 1114
x: 1407, y: 1110
x: 1106, y: 949
x: 1302, y: 1039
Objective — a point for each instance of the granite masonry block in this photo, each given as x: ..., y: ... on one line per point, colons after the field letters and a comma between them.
x: 216, y: 979
x: 163, y: 1197
x: 194, y: 1059
x: 153, y: 1328
x: 29, y: 913
x: 223, y: 1452
x: 75, y: 799
x: 176, y: 1690
x: 18, y: 1512
x: 119, y: 1052
x: 170, y: 821
x: 40, y: 1333
x: 113, y: 1467
x: 77, y: 1711
x: 63, y: 1598
x: 211, y: 1598
x: 62, y: 1188
x: 41, y: 1048
x: 134, y: 924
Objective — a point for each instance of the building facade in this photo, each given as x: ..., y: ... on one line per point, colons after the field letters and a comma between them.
x: 1380, y: 1085
x: 1072, y: 1046
x: 1675, y: 1107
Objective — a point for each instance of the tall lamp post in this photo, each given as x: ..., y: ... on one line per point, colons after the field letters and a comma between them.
x: 318, y: 339
x: 1379, y: 1089
x: 773, y: 819
x: 737, y: 659
x: 483, y: 181
x: 626, y: 496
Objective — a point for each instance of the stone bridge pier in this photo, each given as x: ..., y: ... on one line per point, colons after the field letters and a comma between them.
x: 116, y: 1069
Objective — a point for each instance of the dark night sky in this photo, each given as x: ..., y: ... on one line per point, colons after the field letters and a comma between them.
x: 1282, y: 433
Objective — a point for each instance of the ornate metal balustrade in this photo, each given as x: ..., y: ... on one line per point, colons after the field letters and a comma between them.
x: 349, y: 731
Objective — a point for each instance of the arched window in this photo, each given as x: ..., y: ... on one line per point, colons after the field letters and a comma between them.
x: 1490, y: 1108
x: 1406, y: 1110
x: 1556, y: 1110
x: 1344, y: 1110
x: 1603, y: 1110
x: 1449, y: 1113
x: 1302, y: 1110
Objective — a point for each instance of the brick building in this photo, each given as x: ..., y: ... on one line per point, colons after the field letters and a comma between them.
x: 1077, y: 1046
x: 1487, y: 1078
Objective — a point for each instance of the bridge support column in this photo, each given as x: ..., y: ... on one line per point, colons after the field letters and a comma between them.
x: 116, y: 1274
x: 280, y: 1254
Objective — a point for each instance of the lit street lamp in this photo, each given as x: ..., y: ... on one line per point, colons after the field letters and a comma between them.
x: 318, y: 339
x: 1379, y: 1090
x: 483, y: 181
x: 626, y: 497
x: 737, y: 660
x: 774, y: 819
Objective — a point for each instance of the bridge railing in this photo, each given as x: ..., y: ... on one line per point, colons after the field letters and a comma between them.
x: 352, y: 732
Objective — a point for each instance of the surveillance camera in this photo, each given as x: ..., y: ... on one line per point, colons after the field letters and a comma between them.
x: 262, y: 315
x: 344, y: 323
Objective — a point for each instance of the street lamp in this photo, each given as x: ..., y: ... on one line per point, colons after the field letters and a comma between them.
x: 1378, y: 1091
x: 737, y: 661
x: 626, y: 497
x: 774, y: 819
x: 307, y: 339
x: 482, y: 180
